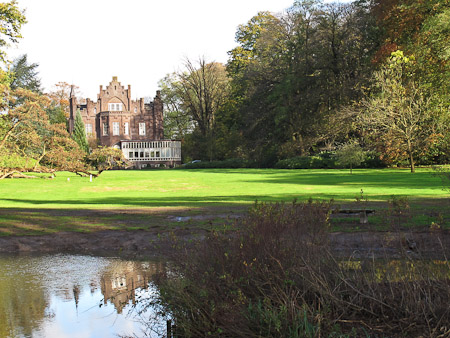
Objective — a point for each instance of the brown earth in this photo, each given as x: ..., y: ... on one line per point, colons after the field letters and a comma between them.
x: 143, y: 243
x: 151, y: 229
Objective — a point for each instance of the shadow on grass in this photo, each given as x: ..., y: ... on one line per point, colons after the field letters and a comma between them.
x: 39, y: 221
x: 388, y: 179
x: 179, y: 201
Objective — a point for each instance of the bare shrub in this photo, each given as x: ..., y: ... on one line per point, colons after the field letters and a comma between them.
x: 275, y: 277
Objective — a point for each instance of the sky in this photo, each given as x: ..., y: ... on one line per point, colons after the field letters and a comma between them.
x: 87, y: 42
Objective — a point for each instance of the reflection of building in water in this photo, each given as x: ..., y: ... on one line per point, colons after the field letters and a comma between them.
x: 120, y: 281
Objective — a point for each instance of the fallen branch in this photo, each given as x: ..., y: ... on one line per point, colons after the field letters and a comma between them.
x: 15, y: 174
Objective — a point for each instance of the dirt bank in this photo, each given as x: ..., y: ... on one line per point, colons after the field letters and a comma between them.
x: 154, y: 243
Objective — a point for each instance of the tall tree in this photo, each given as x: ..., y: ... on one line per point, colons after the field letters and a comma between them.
x: 177, y: 121
x: 203, y: 88
x: 79, y: 133
x: 398, y: 114
x: 292, y: 73
x: 25, y: 75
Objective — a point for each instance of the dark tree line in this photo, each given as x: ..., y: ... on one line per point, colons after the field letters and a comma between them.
x: 301, y: 82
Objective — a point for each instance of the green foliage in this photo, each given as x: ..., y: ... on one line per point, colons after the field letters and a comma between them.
x: 321, y: 161
x: 195, y: 98
x: 79, y: 133
x: 16, y: 161
x: 225, y: 164
x: 328, y: 160
x: 56, y: 114
x: 177, y: 121
x: 350, y: 155
x: 105, y: 158
x: 398, y: 115
x: 292, y: 73
x: 25, y: 75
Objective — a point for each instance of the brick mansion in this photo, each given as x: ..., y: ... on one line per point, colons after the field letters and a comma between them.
x: 135, y: 127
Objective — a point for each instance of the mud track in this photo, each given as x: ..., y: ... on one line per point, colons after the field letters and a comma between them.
x: 143, y: 243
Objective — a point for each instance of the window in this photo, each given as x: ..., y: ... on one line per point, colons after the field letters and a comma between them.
x: 105, y: 129
x: 88, y: 129
x: 116, y: 129
x: 135, y: 109
x: 95, y: 110
x: 142, y: 128
x: 125, y: 128
x: 115, y: 106
x: 130, y: 154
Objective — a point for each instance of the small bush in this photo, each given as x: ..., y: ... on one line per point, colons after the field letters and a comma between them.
x: 225, y: 164
x: 327, y: 160
x: 321, y: 161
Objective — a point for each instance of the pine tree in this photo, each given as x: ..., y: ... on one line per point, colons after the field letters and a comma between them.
x: 79, y: 133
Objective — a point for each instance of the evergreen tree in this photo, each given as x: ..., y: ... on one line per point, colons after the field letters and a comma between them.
x: 79, y: 133
x: 25, y: 75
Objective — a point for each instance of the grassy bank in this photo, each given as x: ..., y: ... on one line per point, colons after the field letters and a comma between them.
x: 118, y: 196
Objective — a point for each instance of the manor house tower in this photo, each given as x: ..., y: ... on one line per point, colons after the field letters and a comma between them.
x: 135, y: 127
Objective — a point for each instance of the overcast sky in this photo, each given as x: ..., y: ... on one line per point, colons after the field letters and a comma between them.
x: 86, y: 42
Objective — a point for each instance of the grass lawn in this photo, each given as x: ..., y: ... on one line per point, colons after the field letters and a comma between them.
x: 116, y: 197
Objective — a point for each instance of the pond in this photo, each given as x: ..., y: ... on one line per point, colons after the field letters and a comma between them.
x: 74, y: 296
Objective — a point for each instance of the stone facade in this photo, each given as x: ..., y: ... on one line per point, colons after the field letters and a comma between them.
x: 116, y: 120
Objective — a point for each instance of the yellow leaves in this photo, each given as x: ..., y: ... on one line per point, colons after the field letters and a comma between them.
x: 11, y: 21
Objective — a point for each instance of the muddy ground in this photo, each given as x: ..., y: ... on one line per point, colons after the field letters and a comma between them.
x: 151, y: 238
x: 143, y: 243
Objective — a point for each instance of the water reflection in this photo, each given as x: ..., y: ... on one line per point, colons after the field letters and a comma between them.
x: 71, y: 296
x: 120, y: 281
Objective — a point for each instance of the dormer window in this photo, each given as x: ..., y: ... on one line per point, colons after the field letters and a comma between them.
x: 115, y: 106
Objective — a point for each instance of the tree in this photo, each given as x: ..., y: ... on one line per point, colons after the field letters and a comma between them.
x: 398, y: 113
x: 61, y: 93
x: 350, y: 154
x: 203, y: 88
x: 106, y: 158
x: 177, y: 121
x: 79, y: 133
x: 28, y: 142
x: 25, y: 75
x: 11, y: 21
x: 56, y: 114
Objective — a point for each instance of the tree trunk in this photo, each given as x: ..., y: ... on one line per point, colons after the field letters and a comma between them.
x: 411, y: 159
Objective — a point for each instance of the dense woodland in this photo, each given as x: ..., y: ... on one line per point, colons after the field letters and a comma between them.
x: 317, y: 86
x: 305, y: 84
